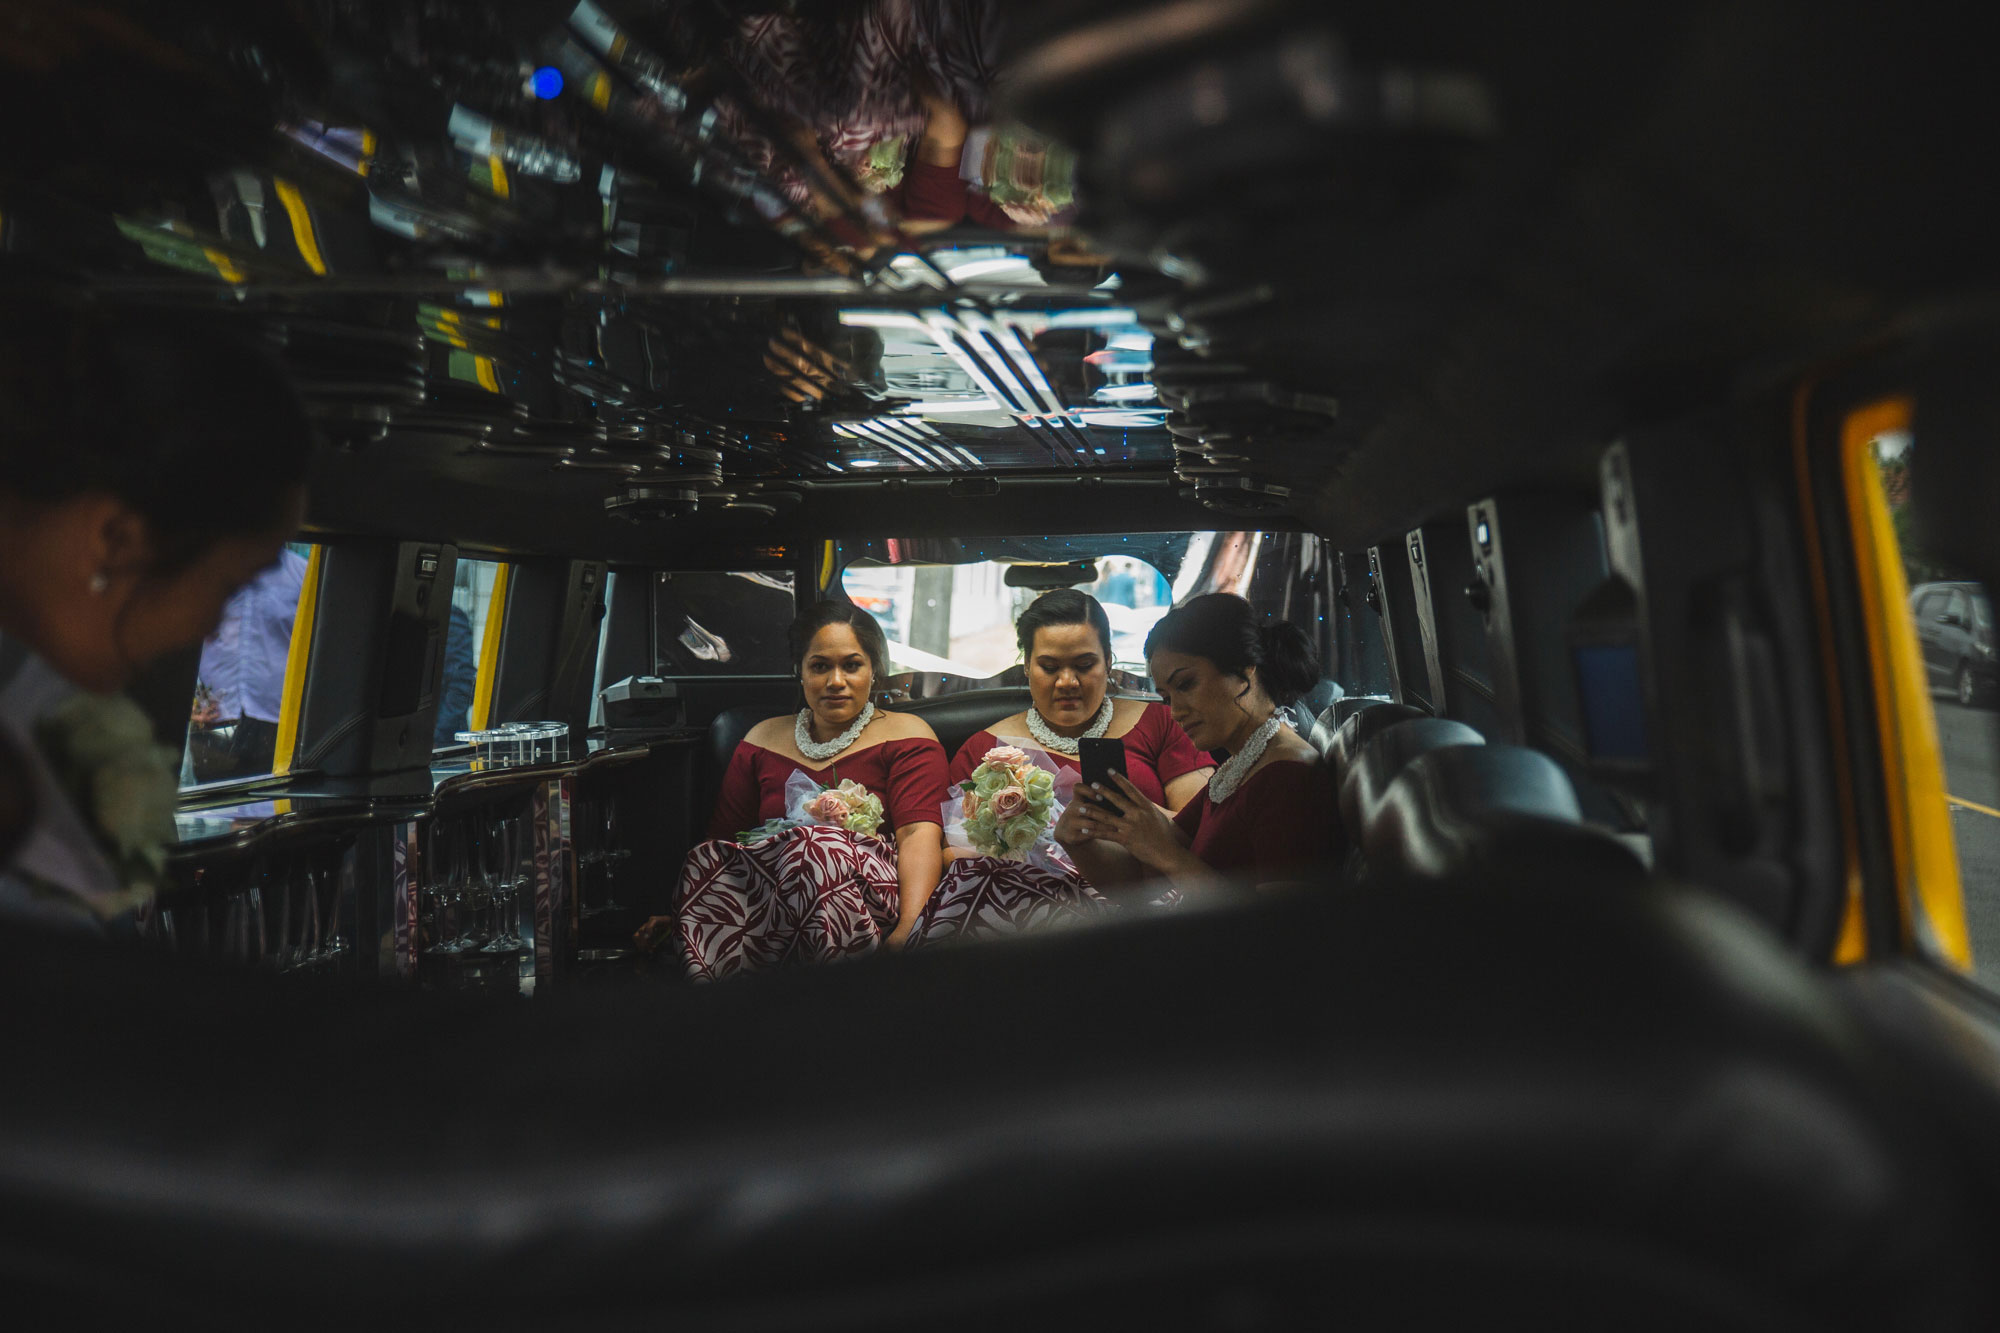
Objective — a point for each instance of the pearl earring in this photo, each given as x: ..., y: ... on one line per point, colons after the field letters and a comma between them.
x: 99, y: 583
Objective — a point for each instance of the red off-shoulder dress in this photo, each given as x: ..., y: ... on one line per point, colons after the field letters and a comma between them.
x: 811, y: 894
x: 909, y: 776
x: 1156, y: 752
x: 1282, y: 819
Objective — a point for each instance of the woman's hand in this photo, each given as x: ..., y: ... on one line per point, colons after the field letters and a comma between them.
x: 1069, y: 831
x: 1142, y: 829
x: 655, y: 933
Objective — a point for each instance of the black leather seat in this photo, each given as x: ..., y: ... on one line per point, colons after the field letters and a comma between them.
x: 1338, y: 737
x: 1490, y: 815
x: 1386, y: 743
x: 1410, y: 1108
x: 956, y: 718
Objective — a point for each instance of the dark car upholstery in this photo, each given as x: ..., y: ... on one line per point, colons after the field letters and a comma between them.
x: 1373, y: 766
x: 1486, y: 815
x: 1402, y: 1105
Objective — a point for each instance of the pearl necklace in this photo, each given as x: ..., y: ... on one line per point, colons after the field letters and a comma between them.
x: 812, y: 749
x: 1230, y: 776
x: 1046, y: 736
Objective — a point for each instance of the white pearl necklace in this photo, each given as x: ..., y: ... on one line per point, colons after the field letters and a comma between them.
x: 1049, y: 739
x: 812, y: 749
x: 1235, y: 768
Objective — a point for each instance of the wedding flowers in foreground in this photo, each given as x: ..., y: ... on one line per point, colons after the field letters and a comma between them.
x: 1008, y: 804
x: 849, y: 806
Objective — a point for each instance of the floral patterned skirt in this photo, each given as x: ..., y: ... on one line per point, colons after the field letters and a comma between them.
x: 984, y: 896
x: 810, y: 895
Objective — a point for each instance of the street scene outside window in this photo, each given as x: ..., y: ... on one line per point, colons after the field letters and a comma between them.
x: 949, y: 613
x: 1952, y: 617
x: 472, y: 595
x: 240, y: 682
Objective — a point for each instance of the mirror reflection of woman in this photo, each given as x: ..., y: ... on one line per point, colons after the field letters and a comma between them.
x: 1268, y: 811
x: 1065, y: 639
x: 817, y: 893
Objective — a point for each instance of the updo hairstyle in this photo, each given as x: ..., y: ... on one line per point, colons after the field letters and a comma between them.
x: 1226, y: 630
x: 1063, y: 606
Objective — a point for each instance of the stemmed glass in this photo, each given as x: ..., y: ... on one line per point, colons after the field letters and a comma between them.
x: 506, y: 884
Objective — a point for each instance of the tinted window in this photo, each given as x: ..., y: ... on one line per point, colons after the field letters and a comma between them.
x: 722, y: 624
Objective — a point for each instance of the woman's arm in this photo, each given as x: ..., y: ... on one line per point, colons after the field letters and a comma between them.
x: 919, y: 865
x: 1186, y: 787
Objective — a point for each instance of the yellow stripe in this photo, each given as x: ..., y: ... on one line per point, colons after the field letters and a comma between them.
x: 223, y: 265
x: 489, y: 650
x: 302, y: 225
x: 499, y: 170
x: 600, y: 91
x: 295, y: 663
x: 368, y: 141
x: 483, y: 367
x: 826, y: 568
x: 1920, y: 838
x: 1964, y: 804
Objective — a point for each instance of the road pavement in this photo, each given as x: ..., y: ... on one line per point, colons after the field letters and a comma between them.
x: 1970, y: 738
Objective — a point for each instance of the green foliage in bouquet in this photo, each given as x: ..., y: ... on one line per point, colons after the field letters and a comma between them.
x: 1008, y: 804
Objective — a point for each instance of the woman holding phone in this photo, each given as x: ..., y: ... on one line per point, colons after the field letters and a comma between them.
x: 1065, y: 639
x: 1267, y: 812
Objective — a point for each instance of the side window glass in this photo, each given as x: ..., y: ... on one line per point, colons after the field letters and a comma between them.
x: 478, y: 608
x: 1953, y: 678
x: 722, y: 624
x: 247, y: 684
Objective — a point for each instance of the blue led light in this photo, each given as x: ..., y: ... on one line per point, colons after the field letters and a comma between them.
x: 547, y: 83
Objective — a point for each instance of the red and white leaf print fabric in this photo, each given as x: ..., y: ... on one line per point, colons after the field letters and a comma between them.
x: 984, y: 896
x: 810, y: 895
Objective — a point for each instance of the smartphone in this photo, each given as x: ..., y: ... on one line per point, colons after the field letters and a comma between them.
x: 1102, y: 757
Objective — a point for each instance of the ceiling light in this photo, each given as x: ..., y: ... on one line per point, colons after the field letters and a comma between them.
x: 864, y: 462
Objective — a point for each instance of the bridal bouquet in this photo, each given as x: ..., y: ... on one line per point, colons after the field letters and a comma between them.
x: 1008, y: 805
x: 847, y: 805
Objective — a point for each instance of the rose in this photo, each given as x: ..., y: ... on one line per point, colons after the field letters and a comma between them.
x: 830, y: 807
x: 970, y: 806
x: 1009, y: 802
x: 1005, y: 756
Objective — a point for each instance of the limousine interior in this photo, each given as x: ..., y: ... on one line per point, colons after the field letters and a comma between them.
x: 1592, y: 383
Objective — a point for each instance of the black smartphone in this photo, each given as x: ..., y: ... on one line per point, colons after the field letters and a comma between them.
x: 1102, y: 757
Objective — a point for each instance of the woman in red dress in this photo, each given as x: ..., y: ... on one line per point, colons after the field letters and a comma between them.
x: 816, y: 892
x: 1065, y: 639
x: 1268, y: 812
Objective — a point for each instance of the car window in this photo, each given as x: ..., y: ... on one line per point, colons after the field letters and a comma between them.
x: 465, y: 690
x: 1959, y: 683
x: 709, y: 623
x: 241, y: 693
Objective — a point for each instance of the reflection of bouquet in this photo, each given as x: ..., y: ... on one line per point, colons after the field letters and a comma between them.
x: 849, y: 806
x: 1008, y: 804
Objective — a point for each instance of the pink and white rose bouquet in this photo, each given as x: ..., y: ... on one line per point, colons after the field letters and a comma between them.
x: 1008, y: 805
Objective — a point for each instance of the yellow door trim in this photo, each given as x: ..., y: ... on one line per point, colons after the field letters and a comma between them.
x: 1920, y: 837
x: 302, y: 224
x: 296, y: 659
x: 489, y: 650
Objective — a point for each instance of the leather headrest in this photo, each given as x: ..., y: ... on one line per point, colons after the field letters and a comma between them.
x: 1327, y: 725
x: 1354, y: 729
x: 957, y: 718
x: 1490, y: 814
x: 1389, y: 746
